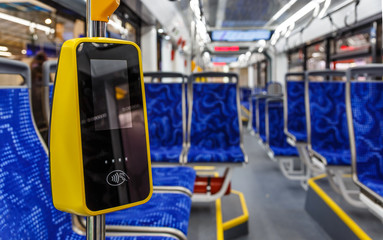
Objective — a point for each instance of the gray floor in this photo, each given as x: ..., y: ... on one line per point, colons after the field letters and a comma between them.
x: 276, y: 205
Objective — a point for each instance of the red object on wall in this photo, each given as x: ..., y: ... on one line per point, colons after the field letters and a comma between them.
x: 201, y: 185
x: 186, y: 63
x: 227, y: 49
x: 179, y: 42
x: 172, y: 56
x: 219, y: 63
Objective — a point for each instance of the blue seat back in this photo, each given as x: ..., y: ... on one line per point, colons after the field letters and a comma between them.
x: 296, y: 113
x: 261, y: 102
x: 26, y: 207
x: 244, y: 94
x: 165, y: 119
x: 365, y: 101
x: 214, y: 116
x: 328, y: 120
x: 254, y: 114
x: 276, y: 138
x: 50, y: 95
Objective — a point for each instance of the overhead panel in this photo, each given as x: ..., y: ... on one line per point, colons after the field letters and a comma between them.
x: 246, y: 14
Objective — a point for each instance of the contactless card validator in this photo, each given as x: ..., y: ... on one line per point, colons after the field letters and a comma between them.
x: 99, y: 147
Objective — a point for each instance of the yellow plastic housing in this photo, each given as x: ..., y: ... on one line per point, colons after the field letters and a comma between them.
x: 66, y: 161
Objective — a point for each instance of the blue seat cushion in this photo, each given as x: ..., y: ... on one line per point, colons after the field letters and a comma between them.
x: 284, y: 151
x: 299, y: 136
x: 341, y: 158
x: 166, y: 154
x: 172, y: 210
x: 374, y: 184
x: 174, y: 176
x: 221, y: 155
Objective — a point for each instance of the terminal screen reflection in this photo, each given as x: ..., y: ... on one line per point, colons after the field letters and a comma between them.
x: 112, y: 125
x: 111, y: 99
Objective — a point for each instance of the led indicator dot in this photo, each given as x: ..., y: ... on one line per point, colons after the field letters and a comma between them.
x: 126, y: 158
x: 119, y: 159
x: 112, y: 160
x: 106, y: 161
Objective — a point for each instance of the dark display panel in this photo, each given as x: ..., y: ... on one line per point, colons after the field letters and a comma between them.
x: 112, y: 125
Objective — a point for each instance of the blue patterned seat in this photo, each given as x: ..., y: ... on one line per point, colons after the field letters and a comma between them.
x: 165, y: 121
x: 245, y: 94
x: 367, y: 119
x: 261, y: 118
x: 329, y: 131
x: 276, y: 137
x: 254, y: 115
x: 174, y: 176
x: 214, y: 127
x: 26, y: 209
x: 50, y: 94
x: 172, y: 210
x: 296, y: 124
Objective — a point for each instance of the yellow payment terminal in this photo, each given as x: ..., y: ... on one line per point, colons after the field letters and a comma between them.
x: 99, y: 143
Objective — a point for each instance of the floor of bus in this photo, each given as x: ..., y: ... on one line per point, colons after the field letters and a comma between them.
x: 275, y: 204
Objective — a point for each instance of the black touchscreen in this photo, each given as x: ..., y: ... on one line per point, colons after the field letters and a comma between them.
x: 112, y: 125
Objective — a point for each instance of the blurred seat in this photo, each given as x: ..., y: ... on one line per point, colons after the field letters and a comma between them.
x: 295, y: 122
x: 327, y: 132
x: 273, y: 89
x: 215, y: 127
x: 276, y: 139
x: 166, y: 108
x: 364, y: 106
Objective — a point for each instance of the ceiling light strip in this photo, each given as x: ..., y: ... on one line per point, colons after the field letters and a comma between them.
x: 280, y: 12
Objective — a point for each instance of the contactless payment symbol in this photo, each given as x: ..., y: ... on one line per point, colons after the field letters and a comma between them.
x: 116, y: 178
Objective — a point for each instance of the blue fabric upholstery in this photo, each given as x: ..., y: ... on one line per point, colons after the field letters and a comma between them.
x: 172, y: 210
x: 277, y: 139
x: 26, y: 209
x: 164, y: 108
x: 50, y: 94
x: 174, y: 176
x: 214, y: 133
x: 262, y: 116
x: 296, y: 124
x: 367, y: 113
x: 245, y: 93
x: 329, y: 131
x: 254, y: 116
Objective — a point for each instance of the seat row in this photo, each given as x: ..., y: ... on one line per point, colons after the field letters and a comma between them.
x: 190, y: 122
x: 333, y: 121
